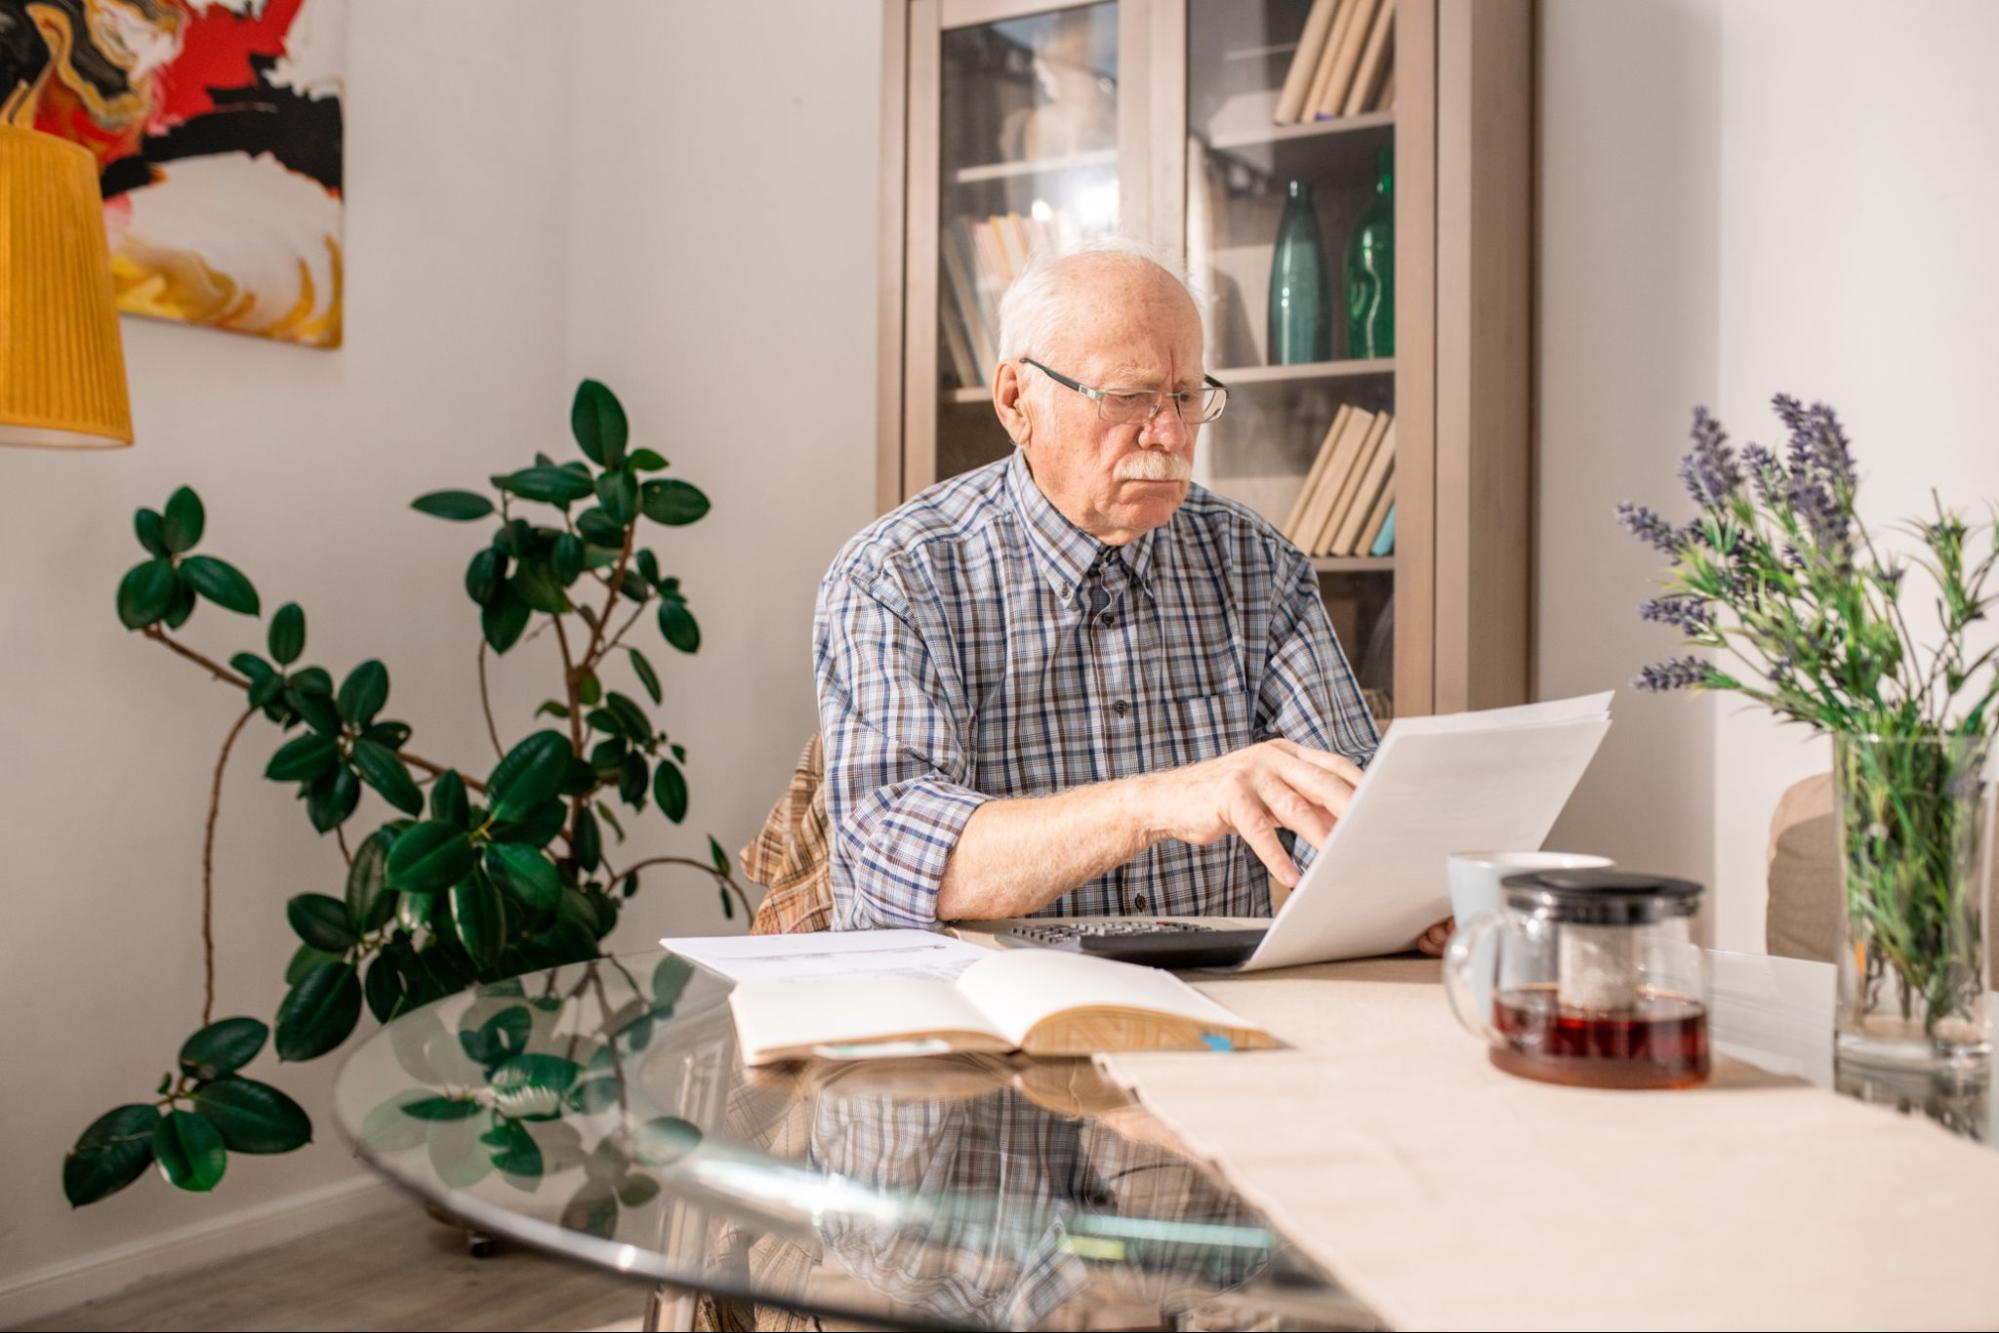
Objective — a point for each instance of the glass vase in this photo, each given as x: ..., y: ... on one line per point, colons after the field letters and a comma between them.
x: 1301, y: 302
x: 1916, y: 847
x: 1370, y: 269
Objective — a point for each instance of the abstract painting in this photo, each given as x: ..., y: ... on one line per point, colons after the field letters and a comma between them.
x: 217, y: 130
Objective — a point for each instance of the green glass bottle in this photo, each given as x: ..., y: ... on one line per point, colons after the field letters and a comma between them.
x: 1370, y: 269
x: 1301, y: 299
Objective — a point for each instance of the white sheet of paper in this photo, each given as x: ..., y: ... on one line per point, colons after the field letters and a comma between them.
x: 832, y: 953
x: 1493, y: 780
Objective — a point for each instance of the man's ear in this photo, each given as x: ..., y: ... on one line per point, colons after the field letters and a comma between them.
x: 1010, y: 402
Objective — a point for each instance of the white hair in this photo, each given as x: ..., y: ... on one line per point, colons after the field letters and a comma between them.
x: 1032, y: 308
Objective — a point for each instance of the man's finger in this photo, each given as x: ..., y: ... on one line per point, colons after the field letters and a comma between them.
x: 1258, y: 829
x: 1337, y: 764
x: 1295, y: 810
x: 1319, y: 785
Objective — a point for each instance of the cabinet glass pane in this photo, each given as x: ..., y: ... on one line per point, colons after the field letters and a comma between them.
x: 1290, y: 131
x: 1029, y: 160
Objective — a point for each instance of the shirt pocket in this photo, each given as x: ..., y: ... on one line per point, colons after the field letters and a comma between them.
x: 1208, y: 725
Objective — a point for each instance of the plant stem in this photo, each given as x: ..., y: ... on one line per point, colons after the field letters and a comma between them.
x: 486, y: 702
x: 208, y: 871
x: 720, y: 876
x: 610, y: 597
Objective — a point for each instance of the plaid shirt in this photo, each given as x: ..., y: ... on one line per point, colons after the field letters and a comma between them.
x: 975, y: 644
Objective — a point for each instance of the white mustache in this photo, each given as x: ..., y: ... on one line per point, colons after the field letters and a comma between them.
x: 1154, y: 465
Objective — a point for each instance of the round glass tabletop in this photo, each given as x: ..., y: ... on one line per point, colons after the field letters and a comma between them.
x: 601, y: 1111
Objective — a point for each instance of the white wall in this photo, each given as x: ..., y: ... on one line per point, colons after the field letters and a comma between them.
x: 1736, y: 200
x: 1628, y: 202
x: 535, y: 192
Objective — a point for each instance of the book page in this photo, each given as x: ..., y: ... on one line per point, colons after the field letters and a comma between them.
x: 780, y: 1019
x: 1017, y: 988
x: 830, y: 953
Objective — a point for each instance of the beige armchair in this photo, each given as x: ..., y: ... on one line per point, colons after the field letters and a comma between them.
x: 1802, y: 918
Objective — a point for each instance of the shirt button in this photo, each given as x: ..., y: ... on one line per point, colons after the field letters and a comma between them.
x: 1121, y: 707
x: 1107, y: 619
x: 1138, y: 902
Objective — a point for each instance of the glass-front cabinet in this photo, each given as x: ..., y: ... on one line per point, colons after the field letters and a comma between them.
x: 1295, y: 157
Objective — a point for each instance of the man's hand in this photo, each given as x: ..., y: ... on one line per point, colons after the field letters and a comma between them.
x: 1434, y: 940
x: 1254, y: 792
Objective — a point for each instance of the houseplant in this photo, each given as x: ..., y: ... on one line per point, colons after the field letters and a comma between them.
x: 489, y: 874
x: 1778, y: 570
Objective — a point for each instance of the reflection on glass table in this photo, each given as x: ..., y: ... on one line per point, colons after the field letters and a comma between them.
x: 601, y: 1111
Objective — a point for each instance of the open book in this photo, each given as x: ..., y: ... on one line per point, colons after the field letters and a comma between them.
x: 1039, y: 1001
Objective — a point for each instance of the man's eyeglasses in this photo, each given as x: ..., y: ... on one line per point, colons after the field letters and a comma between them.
x: 1122, y: 407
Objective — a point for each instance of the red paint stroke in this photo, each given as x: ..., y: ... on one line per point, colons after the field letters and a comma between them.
x: 216, y: 47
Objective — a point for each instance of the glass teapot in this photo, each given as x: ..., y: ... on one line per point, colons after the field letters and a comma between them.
x: 1586, y: 977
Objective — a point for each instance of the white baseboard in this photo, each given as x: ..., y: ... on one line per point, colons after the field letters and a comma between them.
x: 44, y: 1291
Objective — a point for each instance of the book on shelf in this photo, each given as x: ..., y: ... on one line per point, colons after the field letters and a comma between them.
x: 1305, y: 62
x: 1353, y: 433
x: 1293, y: 526
x: 1335, y: 513
x: 1346, y: 60
x: 1041, y: 1001
x: 1322, y: 73
x: 1385, y: 99
x: 1373, y: 61
x: 981, y: 257
x: 1384, y: 539
x: 1373, y: 487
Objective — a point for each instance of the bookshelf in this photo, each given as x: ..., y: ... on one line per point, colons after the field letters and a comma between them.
x: 1011, y: 124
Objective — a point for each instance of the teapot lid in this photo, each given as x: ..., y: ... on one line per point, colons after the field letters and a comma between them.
x: 1600, y: 897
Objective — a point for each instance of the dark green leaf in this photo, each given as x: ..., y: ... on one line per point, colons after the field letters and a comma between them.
x: 481, y: 921
x: 502, y: 619
x: 717, y: 855
x: 632, y: 781
x: 253, y: 1117
x: 369, y: 898
x: 151, y: 532
x: 223, y: 1047
x: 587, y: 844
x: 287, y: 634
x: 303, y: 758
x: 535, y: 583
x: 221, y: 583
x: 483, y: 577
x: 519, y: 1155
x: 578, y: 778
x: 598, y: 421
x: 266, y: 691
x: 443, y: 1108
x: 364, y: 692
x: 676, y: 622
x: 590, y: 690
x: 646, y: 675
x: 669, y: 788
x: 526, y: 872
x: 631, y: 882
x: 312, y: 680
x: 383, y: 988
x: 331, y: 797
x: 382, y: 770
x: 448, y: 800
x: 550, y: 708
x: 317, y: 710
x: 110, y: 1154
x: 499, y: 1038
x: 612, y: 819
x: 601, y: 530
x: 319, y: 1012
x: 618, y: 492
x: 565, y: 558
x: 530, y: 773
x: 649, y: 566
x: 728, y: 907
x: 185, y: 520
x: 392, y: 735
x: 458, y: 506
x: 632, y: 587
x: 416, y: 911
x: 674, y: 502
x: 189, y: 1151
x: 321, y: 921
x: 145, y: 593
x: 303, y: 961
x: 535, y: 828
x: 552, y: 485
x: 182, y: 605
x: 632, y: 719
x: 430, y: 856
x: 608, y: 756
x: 253, y: 667
x: 546, y: 1073
x: 679, y: 752
x: 646, y: 460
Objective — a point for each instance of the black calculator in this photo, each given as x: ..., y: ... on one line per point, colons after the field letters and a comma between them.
x: 1153, y: 943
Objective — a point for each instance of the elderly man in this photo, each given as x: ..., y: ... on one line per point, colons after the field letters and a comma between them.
x: 1072, y: 682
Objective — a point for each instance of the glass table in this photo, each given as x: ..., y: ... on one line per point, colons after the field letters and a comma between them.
x: 600, y: 1111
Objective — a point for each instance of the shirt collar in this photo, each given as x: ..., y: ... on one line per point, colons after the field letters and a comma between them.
x: 1064, y: 551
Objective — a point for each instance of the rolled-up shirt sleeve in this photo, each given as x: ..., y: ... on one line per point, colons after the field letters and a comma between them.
x: 897, y: 764
x: 1309, y: 693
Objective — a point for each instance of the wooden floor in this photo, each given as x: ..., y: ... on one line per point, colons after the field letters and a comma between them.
x: 394, y: 1270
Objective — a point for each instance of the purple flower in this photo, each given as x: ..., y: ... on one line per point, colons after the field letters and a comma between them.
x: 1689, y: 615
x: 1648, y: 525
x: 1678, y: 673
x: 1709, y: 471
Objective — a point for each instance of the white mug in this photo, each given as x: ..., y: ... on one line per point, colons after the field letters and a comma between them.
x: 1475, y: 878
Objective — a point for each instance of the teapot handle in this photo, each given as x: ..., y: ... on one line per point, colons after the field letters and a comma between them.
x: 1459, y: 987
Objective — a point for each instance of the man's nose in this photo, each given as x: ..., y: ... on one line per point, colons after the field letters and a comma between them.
x: 1163, y: 428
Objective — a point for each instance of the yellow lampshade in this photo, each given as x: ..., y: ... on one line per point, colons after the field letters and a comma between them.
x: 62, y: 367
